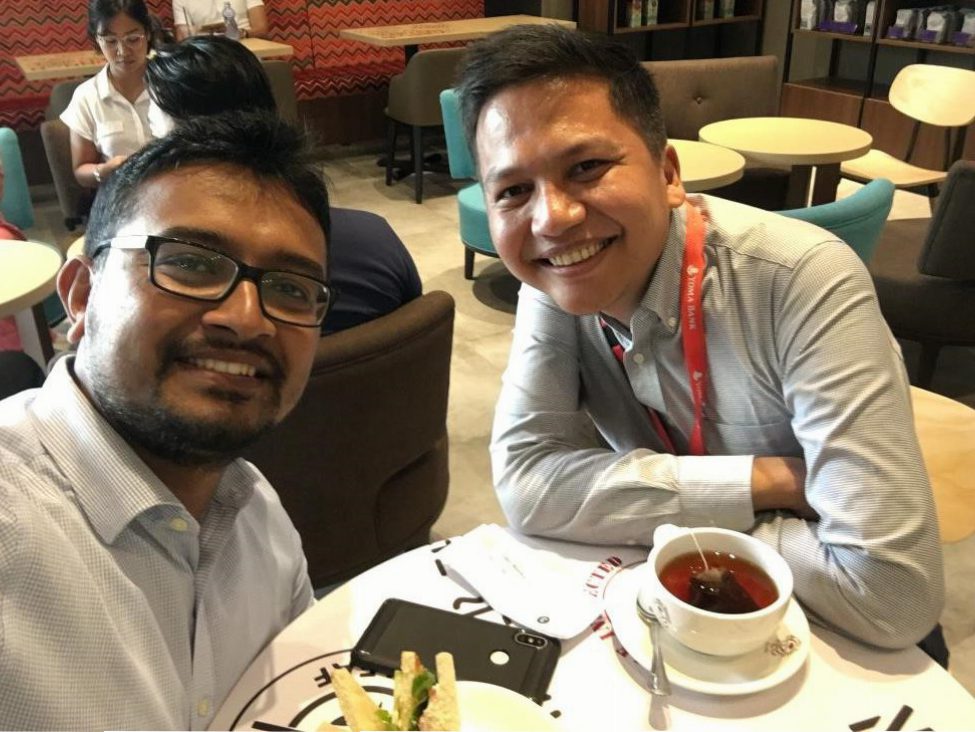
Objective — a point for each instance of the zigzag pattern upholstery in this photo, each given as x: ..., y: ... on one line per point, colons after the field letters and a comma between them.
x: 324, y: 64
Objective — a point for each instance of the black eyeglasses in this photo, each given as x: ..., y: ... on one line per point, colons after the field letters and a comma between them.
x: 199, y: 272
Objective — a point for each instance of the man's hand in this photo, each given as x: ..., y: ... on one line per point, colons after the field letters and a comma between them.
x: 780, y: 483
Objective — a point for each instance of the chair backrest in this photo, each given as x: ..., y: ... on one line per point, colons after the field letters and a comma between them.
x: 857, y: 219
x: 936, y: 95
x: 696, y: 92
x: 361, y: 462
x: 61, y: 94
x: 282, y: 82
x: 948, y: 250
x: 73, y: 200
x: 15, y: 203
x: 414, y: 94
x: 458, y: 153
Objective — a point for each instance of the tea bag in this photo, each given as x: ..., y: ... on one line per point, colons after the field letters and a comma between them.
x: 717, y: 590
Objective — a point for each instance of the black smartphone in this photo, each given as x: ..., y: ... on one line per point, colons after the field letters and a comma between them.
x: 515, y: 658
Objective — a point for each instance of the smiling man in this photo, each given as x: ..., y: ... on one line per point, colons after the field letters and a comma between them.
x: 687, y: 359
x: 142, y: 566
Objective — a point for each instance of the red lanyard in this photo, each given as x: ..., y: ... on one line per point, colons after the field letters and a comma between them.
x: 692, y: 333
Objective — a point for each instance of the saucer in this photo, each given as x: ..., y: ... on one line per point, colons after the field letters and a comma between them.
x: 756, y: 670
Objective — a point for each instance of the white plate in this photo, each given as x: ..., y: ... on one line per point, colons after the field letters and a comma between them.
x: 760, y: 669
x: 490, y: 708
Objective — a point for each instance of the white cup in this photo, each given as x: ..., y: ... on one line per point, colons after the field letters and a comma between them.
x: 717, y: 634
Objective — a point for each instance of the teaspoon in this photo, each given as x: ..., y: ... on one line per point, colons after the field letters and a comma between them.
x: 659, y: 684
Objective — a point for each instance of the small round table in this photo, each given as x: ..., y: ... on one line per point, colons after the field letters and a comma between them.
x: 28, y: 270
x: 797, y: 142
x: 704, y: 166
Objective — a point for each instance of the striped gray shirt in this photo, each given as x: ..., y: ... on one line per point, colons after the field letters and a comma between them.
x: 801, y: 363
x: 118, y: 610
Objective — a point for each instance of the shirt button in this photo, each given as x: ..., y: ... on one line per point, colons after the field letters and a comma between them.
x: 178, y: 524
x: 203, y: 707
x: 638, y: 358
x: 672, y: 322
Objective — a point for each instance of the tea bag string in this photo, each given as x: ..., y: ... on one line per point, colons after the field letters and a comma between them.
x: 699, y: 550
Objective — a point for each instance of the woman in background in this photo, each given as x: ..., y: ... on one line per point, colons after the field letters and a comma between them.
x: 109, y: 113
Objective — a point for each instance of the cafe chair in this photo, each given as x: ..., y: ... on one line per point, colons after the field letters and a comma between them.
x: 15, y: 204
x: 474, y: 232
x: 941, y: 97
x: 361, y: 463
x: 414, y: 102
x: 857, y: 219
x: 697, y: 92
x: 282, y: 81
x: 73, y: 200
x: 924, y: 273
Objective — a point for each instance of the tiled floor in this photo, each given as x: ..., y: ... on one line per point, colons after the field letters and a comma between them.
x: 482, y: 337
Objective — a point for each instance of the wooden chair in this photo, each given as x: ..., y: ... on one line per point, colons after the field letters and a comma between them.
x: 73, y: 199
x: 940, y: 96
x: 361, y: 463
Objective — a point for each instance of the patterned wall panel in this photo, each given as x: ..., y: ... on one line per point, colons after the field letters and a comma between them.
x: 324, y: 64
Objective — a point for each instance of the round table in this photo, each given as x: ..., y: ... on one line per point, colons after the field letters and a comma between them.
x: 704, y: 166
x: 76, y: 248
x: 946, y: 431
x: 797, y: 142
x: 596, y: 685
x: 28, y: 270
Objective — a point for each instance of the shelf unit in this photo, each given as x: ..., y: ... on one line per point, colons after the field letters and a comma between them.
x: 682, y: 16
x: 860, y: 69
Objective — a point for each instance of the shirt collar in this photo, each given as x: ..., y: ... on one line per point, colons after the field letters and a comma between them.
x: 106, y: 90
x: 111, y: 484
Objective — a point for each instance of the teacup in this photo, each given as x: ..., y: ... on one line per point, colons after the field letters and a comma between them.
x: 706, y: 631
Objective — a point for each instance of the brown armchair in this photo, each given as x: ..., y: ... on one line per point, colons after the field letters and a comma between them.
x: 74, y: 200
x: 361, y: 463
x: 696, y: 92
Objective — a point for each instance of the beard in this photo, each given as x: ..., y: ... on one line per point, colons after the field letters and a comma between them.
x: 179, y: 438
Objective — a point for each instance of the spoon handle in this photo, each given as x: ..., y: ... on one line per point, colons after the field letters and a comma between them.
x: 659, y: 684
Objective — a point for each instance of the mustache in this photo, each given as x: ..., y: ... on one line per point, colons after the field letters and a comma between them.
x: 271, y: 364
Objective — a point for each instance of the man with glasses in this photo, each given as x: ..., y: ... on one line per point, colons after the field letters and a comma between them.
x: 143, y: 565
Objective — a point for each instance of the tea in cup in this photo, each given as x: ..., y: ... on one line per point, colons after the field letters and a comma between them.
x: 716, y: 591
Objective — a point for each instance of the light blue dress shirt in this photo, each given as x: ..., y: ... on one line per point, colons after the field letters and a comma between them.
x: 118, y: 610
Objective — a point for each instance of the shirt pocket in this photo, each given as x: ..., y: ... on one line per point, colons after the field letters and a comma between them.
x: 108, y: 136
x: 772, y: 438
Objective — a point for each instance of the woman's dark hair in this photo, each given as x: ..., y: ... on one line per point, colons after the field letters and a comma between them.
x: 207, y: 75
x: 526, y: 53
x: 101, y: 12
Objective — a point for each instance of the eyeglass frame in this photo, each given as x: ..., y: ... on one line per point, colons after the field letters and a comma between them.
x: 151, y: 243
x: 112, y: 41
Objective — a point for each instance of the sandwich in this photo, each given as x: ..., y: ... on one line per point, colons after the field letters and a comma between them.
x: 422, y: 700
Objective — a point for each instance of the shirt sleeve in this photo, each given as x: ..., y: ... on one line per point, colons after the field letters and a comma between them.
x: 872, y: 565
x: 78, y: 115
x: 255, y: 4
x: 556, y: 475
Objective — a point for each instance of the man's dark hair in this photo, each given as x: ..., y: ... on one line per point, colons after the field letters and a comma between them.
x: 207, y: 75
x: 101, y: 12
x: 258, y: 143
x: 526, y: 53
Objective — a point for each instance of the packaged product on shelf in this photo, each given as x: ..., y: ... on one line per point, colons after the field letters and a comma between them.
x: 966, y: 36
x: 846, y: 16
x: 635, y: 19
x: 705, y: 9
x: 941, y: 24
x: 868, y: 18
x: 650, y: 15
x: 813, y: 13
x: 904, y: 24
x: 726, y: 8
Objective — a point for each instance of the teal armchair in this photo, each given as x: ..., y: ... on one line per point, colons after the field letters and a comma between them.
x: 474, y: 231
x: 15, y: 204
x: 857, y: 219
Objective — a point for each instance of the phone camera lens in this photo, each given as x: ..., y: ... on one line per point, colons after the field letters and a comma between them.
x: 531, y: 640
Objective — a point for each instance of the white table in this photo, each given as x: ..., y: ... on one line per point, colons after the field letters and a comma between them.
x: 595, y: 687
x: 71, y: 64
x: 410, y: 35
x: 28, y: 270
x: 704, y: 166
x: 797, y: 142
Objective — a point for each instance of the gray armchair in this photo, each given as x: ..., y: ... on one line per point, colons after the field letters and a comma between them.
x: 73, y: 200
x: 924, y: 272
